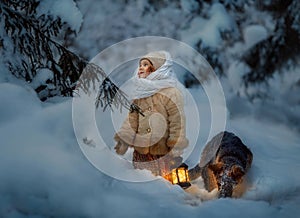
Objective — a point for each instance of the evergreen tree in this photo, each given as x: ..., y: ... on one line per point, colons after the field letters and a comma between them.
x: 278, y: 51
x: 30, y: 43
x: 274, y: 52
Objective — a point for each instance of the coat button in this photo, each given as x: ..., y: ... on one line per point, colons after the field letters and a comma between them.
x: 149, y: 108
x: 148, y: 130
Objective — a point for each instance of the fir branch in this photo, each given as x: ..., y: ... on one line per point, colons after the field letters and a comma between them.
x: 33, y: 38
x: 110, y: 95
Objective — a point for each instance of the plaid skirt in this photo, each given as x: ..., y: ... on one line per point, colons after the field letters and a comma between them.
x: 158, y: 164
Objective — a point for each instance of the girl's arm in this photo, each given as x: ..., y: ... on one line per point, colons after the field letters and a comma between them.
x: 126, y: 134
x: 177, y: 140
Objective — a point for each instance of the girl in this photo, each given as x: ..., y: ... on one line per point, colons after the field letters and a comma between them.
x: 158, y: 136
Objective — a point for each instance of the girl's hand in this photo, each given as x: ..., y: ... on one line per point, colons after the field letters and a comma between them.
x: 121, y: 147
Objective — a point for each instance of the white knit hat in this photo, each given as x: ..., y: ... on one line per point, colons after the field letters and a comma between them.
x: 157, y: 58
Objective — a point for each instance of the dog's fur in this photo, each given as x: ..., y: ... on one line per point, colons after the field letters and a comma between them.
x: 224, y: 162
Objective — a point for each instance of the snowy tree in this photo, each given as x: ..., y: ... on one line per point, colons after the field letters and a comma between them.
x: 33, y: 46
x: 218, y: 29
x: 261, y: 36
x: 274, y: 52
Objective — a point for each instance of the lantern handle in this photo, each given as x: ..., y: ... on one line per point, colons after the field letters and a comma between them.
x: 184, y: 165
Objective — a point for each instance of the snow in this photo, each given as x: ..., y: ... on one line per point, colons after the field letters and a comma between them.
x: 14, y: 102
x: 254, y: 34
x: 280, y: 104
x: 44, y: 173
x: 208, y: 30
x: 41, y: 77
x: 189, y: 6
x: 235, y: 73
x: 66, y: 10
x: 124, y: 20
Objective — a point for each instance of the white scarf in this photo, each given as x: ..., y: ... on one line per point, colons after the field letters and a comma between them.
x: 163, y: 77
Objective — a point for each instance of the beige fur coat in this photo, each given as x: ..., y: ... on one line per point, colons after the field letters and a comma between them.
x: 161, y: 129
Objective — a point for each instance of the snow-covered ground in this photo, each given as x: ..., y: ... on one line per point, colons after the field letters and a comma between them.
x: 44, y: 173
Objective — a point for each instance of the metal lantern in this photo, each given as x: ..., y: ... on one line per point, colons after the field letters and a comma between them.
x: 180, y: 176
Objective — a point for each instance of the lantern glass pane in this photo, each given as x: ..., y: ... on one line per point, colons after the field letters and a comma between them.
x: 187, y: 175
x: 174, y: 177
x: 181, y: 175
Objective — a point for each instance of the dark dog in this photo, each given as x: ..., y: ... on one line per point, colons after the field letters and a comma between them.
x: 224, y: 161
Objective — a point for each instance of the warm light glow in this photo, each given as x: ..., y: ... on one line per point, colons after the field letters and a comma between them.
x: 187, y: 175
x: 174, y: 177
x: 180, y: 175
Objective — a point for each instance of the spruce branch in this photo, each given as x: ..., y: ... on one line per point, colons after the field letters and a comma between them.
x: 32, y: 38
x: 110, y: 95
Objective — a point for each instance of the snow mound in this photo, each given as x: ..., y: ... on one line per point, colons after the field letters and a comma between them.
x: 17, y: 101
